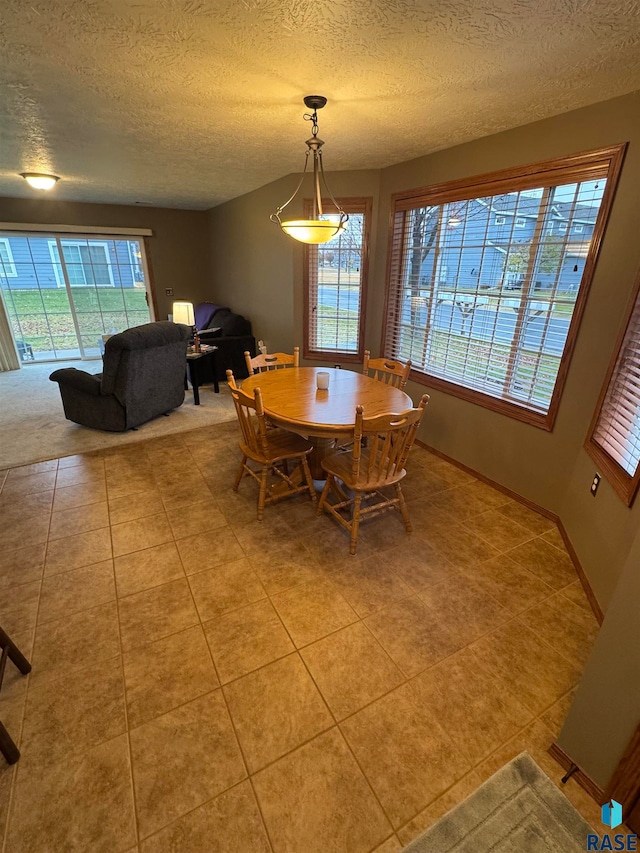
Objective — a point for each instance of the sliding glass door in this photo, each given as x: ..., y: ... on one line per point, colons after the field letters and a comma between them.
x: 63, y: 292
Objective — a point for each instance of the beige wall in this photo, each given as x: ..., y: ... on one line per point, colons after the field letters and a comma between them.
x: 179, y: 248
x: 606, y: 709
x: 252, y: 268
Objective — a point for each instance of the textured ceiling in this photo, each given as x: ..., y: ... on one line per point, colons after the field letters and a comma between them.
x: 187, y: 103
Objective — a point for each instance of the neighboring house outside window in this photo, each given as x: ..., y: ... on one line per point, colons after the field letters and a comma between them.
x: 613, y: 441
x: 520, y: 222
x: 335, y: 288
x: 500, y: 220
x: 7, y: 265
x: 500, y: 331
x: 87, y: 263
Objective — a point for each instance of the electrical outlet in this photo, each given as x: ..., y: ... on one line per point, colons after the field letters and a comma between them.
x: 595, y: 483
x: 168, y: 291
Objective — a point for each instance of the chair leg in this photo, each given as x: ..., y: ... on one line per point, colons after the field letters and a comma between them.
x: 323, y: 496
x: 307, y: 476
x: 355, y: 523
x: 240, y: 473
x: 263, y: 491
x: 8, y: 747
x: 403, y: 508
x: 13, y: 653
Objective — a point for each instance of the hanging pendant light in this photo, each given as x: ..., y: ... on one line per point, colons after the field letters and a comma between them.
x: 322, y: 227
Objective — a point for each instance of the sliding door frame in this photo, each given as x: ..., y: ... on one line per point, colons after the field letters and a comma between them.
x: 58, y: 234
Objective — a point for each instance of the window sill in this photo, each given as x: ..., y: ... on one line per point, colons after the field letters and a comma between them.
x: 623, y: 485
x: 540, y: 420
x: 349, y: 357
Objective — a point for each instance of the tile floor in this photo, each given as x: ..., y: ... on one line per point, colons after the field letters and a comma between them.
x: 205, y: 682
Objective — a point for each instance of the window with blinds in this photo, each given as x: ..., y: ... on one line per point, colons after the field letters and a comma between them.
x: 488, y: 277
x: 335, y: 283
x: 614, y: 436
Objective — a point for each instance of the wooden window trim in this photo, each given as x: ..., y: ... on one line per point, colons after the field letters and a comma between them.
x: 147, y: 267
x: 625, y: 783
x: 350, y: 205
x: 589, y: 165
x: 625, y: 485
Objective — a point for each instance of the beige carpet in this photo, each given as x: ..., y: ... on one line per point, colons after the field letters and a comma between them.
x: 33, y: 426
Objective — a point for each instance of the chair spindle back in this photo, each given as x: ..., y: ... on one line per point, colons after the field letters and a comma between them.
x: 386, y: 370
x: 250, y: 412
x: 389, y: 440
x: 271, y: 361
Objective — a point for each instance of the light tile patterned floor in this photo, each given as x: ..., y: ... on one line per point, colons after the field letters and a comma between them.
x: 205, y: 682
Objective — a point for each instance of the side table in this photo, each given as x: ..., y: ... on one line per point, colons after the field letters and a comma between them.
x: 196, y: 362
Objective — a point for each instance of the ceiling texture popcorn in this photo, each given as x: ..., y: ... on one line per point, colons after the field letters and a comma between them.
x: 187, y: 103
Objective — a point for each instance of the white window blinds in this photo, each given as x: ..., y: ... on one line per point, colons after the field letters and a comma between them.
x: 615, y: 433
x: 335, y: 288
x: 485, y: 289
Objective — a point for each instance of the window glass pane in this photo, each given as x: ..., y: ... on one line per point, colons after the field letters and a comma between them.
x: 7, y: 266
x: 338, y: 306
x: 485, y: 288
x: 74, y: 262
x: 336, y: 278
x: 106, y: 292
x: 96, y: 259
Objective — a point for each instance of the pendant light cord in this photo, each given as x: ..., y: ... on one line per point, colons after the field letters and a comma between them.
x: 314, y: 145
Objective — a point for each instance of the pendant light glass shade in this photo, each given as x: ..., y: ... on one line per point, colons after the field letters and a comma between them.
x: 312, y: 230
x: 321, y: 228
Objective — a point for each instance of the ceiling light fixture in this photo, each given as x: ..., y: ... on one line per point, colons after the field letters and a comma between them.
x: 321, y: 227
x: 39, y: 181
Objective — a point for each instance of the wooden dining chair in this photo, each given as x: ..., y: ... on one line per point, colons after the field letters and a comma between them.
x: 271, y: 361
x: 362, y: 472
x: 10, y: 652
x: 270, y: 449
x: 386, y: 370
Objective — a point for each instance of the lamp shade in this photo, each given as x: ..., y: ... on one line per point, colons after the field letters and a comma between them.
x: 183, y: 313
x: 39, y: 181
x: 312, y: 230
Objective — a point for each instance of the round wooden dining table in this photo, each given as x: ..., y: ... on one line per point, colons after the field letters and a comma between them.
x: 292, y: 401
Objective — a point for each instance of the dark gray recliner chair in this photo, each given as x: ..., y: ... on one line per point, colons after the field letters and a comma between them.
x: 143, y: 376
